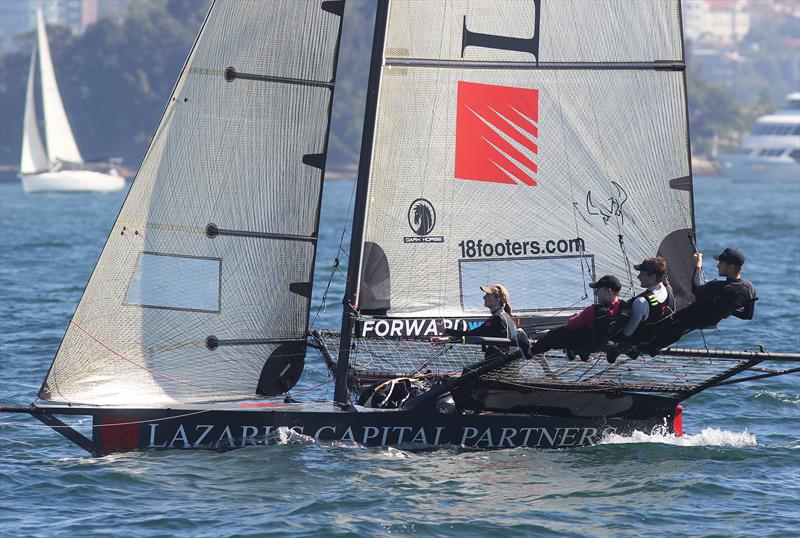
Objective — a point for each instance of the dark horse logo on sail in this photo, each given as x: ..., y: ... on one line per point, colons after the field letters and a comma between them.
x: 422, y: 220
x: 421, y: 217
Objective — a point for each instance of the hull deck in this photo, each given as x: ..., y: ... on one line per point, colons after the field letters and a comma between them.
x: 240, y: 424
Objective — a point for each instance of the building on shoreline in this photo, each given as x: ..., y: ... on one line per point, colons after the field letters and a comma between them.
x: 19, y: 16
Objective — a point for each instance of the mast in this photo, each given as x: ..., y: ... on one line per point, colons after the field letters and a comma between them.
x: 688, y: 127
x: 340, y: 394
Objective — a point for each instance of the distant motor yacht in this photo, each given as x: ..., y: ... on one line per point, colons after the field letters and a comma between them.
x: 772, y: 149
x: 60, y: 167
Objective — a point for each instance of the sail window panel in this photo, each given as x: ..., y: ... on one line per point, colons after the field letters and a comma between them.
x: 177, y: 282
x: 602, y: 149
x: 281, y: 38
x: 539, y: 284
x: 569, y: 30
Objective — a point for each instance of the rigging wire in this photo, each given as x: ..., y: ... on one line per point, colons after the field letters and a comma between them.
x: 703, y: 278
x: 584, y: 263
x: 625, y: 256
x: 336, y: 262
x: 617, y: 214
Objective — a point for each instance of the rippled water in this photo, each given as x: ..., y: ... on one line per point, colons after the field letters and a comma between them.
x: 736, y: 472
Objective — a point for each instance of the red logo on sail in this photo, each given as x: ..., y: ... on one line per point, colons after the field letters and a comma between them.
x: 496, y: 133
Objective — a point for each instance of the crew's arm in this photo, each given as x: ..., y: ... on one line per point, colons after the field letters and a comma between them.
x: 487, y: 328
x: 697, y: 282
x: 638, y: 313
x: 583, y: 320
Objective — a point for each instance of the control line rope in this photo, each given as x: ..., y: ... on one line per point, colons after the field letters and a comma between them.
x: 159, y: 374
x: 328, y: 382
x: 107, y: 425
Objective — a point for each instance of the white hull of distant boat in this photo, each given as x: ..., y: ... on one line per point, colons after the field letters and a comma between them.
x: 772, y: 150
x: 746, y: 168
x: 71, y: 181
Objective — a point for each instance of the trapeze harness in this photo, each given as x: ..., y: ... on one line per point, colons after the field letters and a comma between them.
x: 658, y: 315
x: 605, y: 326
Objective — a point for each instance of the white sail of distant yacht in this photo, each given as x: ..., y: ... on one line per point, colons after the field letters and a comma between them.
x: 42, y: 170
x: 34, y: 157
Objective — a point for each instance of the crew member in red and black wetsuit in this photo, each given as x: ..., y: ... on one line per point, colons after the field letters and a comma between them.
x: 590, y: 329
x: 714, y: 301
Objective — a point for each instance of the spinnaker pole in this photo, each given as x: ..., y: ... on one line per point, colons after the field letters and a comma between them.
x: 730, y: 354
x: 350, y: 302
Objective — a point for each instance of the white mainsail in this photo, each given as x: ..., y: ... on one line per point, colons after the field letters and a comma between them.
x: 33, y: 158
x: 60, y: 141
x: 203, y: 288
x: 537, y: 143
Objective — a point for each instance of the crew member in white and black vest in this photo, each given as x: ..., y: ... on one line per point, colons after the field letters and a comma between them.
x: 713, y: 301
x: 650, y: 311
x: 590, y: 329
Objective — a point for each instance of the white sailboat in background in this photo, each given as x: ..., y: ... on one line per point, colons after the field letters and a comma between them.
x: 60, y: 167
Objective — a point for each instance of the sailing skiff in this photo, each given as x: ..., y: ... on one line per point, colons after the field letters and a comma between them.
x: 539, y: 143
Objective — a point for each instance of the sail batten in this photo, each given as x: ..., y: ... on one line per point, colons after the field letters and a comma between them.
x: 475, y: 64
x: 232, y: 75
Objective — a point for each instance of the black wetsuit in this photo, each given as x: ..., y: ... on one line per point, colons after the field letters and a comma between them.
x: 714, y: 301
x: 500, y: 325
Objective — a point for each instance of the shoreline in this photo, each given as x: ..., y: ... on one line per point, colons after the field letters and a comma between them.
x: 700, y: 167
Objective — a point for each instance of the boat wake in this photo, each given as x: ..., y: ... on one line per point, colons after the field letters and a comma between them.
x: 778, y: 397
x: 707, y: 437
x: 288, y: 436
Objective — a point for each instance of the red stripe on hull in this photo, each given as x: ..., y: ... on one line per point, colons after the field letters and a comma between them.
x: 117, y: 435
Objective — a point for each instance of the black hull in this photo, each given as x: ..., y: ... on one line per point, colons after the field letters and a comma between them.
x: 246, y: 424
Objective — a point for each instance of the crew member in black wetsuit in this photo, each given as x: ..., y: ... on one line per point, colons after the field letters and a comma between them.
x: 714, y: 301
x: 590, y: 329
x: 501, y: 324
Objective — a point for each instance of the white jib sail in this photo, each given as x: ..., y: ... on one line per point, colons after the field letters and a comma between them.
x: 33, y: 158
x: 249, y: 111
x: 60, y: 141
x: 537, y: 143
